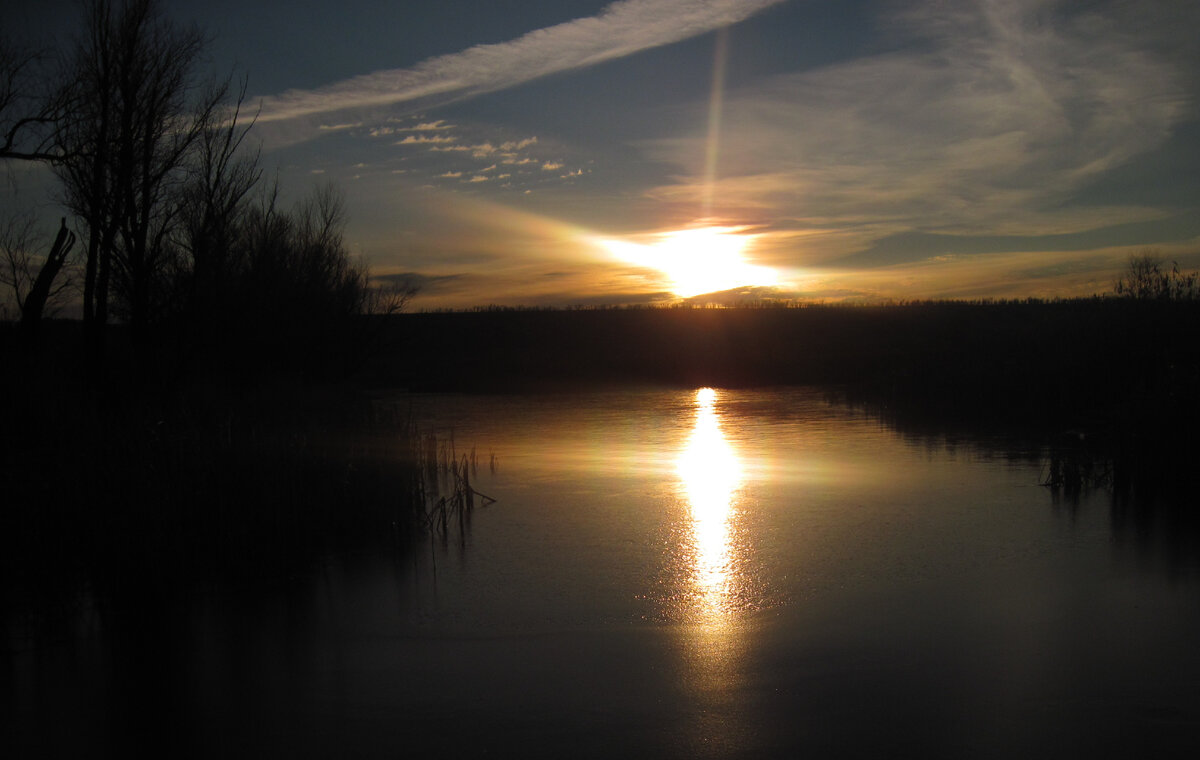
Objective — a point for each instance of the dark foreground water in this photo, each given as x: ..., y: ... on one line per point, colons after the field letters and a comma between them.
x: 670, y: 574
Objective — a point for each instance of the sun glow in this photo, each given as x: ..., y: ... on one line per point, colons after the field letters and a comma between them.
x: 697, y: 260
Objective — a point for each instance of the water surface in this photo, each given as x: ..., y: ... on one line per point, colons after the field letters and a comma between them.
x: 675, y: 574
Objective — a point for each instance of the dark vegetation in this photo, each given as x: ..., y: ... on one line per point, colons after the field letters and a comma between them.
x: 196, y: 422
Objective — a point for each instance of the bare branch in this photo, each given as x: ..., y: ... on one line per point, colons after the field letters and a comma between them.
x: 27, y: 116
x: 391, y: 296
x: 18, y: 238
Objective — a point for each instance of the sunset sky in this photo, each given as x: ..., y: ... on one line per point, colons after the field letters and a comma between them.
x: 559, y: 152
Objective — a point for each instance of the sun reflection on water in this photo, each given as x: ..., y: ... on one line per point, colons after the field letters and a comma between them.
x: 711, y: 476
x: 712, y: 637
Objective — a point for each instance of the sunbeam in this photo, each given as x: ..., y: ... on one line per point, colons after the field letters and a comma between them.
x: 715, y: 106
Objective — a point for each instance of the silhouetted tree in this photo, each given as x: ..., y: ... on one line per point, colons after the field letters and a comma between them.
x: 213, y: 207
x: 28, y: 113
x: 1146, y: 279
x: 155, y: 164
x: 32, y: 280
x: 300, y: 290
x: 134, y: 110
x: 331, y: 282
x: 40, y: 291
x: 390, y: 296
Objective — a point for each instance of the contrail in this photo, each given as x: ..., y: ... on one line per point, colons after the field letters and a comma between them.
x: 621, y: 29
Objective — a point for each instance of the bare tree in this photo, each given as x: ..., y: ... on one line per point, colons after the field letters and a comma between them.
x: 32, y: 280
x: 45, y: 293
x: 18, y: 238
x: 324, y: 277
x: 157, y: 170
x: 135, y: 109
x: 28, y: 113
x: 1147, y: 279
x: 390, y: 295
x: 213, y: 207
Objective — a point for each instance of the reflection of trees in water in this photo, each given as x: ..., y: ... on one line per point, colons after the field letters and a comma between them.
x: 1145, y: 480
x: 1162, y: 532
x: 1140, y: 471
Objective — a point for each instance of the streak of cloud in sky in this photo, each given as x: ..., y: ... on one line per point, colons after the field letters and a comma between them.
x: 621, y: 29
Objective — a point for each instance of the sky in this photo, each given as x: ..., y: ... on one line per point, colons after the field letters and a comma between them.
x: 576, y: 152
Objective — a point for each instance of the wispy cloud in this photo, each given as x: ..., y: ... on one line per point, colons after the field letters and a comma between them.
x: 429, y: 126
x: 622, y: 28
x: 989, y: 120
x: 425, y: 140
x: 425, y: 126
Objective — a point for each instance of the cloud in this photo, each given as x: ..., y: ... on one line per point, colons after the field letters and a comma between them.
x: 620, y: 29
x: 551, y: 166
x: 429, y: 126
x: 479, y: 150
x: 424, y: 283
x: 426, y: 139
x: 514, y: 145
x: 988, y: 118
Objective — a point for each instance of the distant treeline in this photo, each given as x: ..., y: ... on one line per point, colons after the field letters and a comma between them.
x: 1068, y: 356
x: 699, y: 303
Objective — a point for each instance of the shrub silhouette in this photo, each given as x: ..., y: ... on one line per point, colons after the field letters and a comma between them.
x: 1146, y: 279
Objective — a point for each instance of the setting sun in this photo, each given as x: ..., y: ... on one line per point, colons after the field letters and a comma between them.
x: 698, y: 260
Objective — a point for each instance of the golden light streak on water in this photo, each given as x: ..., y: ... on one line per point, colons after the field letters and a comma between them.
x: 712, y: 637
x: 711, y: 475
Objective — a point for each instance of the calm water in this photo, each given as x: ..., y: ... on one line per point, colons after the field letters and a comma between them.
x: 676, y: 574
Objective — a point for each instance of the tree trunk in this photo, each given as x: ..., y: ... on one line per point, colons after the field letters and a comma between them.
x: 39, y: 294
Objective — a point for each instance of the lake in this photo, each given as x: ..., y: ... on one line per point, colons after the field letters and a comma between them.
x: 666, y: 573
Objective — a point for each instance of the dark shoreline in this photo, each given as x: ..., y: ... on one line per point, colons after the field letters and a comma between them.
x: 1065, y: 359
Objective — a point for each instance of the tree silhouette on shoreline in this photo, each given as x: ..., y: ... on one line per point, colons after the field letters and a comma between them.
x: 1147, y: 279
x: 180, y: 241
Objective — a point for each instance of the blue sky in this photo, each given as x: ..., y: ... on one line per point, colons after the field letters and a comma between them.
x: 859, y: 150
